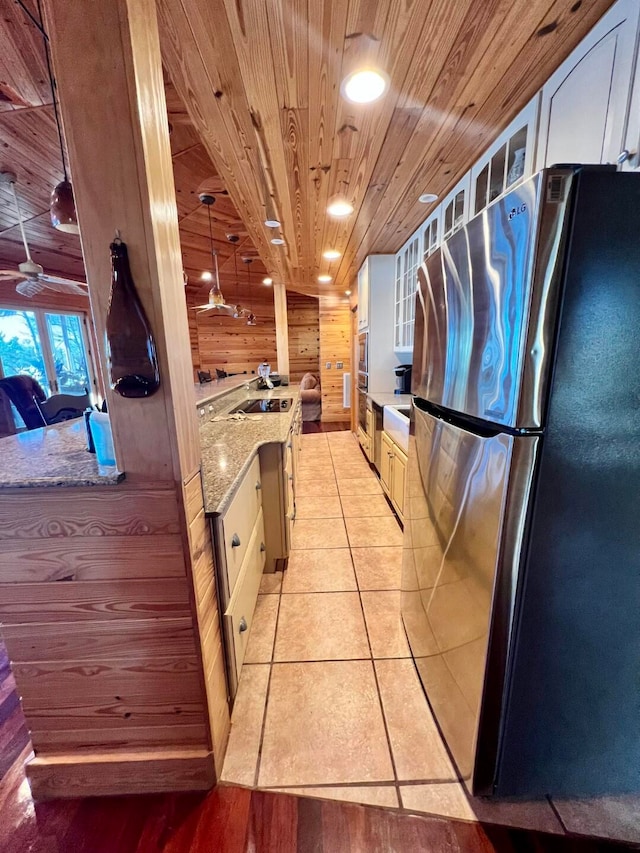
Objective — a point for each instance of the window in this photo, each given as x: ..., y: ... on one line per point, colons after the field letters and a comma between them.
x: 51, y: 347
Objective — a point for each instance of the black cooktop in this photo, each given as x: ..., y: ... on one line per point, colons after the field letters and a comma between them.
x: 252, y: 407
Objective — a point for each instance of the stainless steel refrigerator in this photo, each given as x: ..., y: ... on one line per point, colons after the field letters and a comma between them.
x: 521, y: 561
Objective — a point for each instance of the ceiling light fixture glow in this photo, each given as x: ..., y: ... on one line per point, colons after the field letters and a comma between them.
x: 272, y: 223
x: 324, y: 278
x: 206, y: 276
x: 347, y: 293
x: 267, y: 280
x: 331, y: 254
x: 364, y: 85
x: 277, y: 241
x: 339, y: 206
x: 427, y: 198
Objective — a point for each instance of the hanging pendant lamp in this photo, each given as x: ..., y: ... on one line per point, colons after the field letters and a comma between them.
x: 251, y: 320
x: 62, y: 206
x: 215, y: 294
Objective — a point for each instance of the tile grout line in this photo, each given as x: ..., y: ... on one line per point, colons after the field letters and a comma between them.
x: 266, y: 698
x: 377, y: 683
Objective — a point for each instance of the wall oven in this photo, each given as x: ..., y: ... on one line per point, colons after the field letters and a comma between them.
x: 362, y: 409
x: 363, y: 352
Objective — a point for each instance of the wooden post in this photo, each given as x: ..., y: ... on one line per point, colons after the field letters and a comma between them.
x: 282, y: 329
x: 123, y: 677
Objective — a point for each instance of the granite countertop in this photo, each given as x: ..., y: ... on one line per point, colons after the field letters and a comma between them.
x: 388, y: 398
x: 52, y: 456
x: 228, y: 447
x: 209, y: 391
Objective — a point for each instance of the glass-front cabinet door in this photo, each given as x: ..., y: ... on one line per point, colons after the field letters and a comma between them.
x: 455, y: 207
x: 510, y: 159
x: 431, y: 233
x: 407, y: 261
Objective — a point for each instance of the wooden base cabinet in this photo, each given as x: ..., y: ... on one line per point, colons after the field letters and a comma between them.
x: 393, y: 469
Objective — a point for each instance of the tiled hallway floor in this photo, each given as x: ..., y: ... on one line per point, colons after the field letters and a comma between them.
x: 329, y: 703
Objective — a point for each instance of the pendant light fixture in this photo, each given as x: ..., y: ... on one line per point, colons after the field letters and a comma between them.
x: 215, y: 294
x: 62, y: 205
x: 238, y: 311
x: 251, y: 320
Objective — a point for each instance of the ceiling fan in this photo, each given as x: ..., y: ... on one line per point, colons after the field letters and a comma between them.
x: 30, y: 276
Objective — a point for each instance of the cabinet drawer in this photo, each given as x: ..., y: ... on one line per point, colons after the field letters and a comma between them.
x: 239, y: 614
x: 239, y: 521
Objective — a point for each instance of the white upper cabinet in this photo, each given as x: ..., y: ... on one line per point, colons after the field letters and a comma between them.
x: 455, y: 207
x: 510, y: 159
x: 363, y: 297
x: 583, y: 113
x: 407, y: 262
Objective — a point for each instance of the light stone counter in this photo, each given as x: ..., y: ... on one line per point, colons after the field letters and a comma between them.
x: 52, y: 456
x: 388, y: 398
x: 228, y: 447
x: 207, y: 392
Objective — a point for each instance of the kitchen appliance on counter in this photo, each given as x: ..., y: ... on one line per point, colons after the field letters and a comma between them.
x: 263, y: 405
x: 403, y: 379
x: 521, y: 571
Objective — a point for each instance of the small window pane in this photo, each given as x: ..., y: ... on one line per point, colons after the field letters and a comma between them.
x: 482, y: 182
x: 496, y: 185
x: 517, y: 153
x: 459, y: 209
x: 448, y: 218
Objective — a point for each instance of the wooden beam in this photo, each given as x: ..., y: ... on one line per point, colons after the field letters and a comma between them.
x: 282, y: 329
x: 123, y: 180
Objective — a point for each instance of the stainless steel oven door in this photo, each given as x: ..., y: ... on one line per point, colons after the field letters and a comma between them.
x: 362, y: 410
x: 363, y: 352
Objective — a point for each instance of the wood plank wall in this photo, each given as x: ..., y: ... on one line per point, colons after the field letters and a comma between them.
x: 335, y: 345
x: 304, y: 335
x: 219, y: 341
x: 102, y: 640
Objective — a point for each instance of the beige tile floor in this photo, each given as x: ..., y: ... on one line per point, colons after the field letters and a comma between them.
x: 329, y: 703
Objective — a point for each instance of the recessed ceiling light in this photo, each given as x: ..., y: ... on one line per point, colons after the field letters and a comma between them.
x: 272, y: 223
x: 206, y: 276
x: 324, y: 278
x: 267, y: 280
x: 339, y: 206
x: 347, y: 293
x: 364, y: 86
x: 277, y: 241
x: 427, y: 198
x: 331, y: 254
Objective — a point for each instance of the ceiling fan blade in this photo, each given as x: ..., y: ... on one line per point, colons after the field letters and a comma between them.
x: 10, y: 275
x: 29, y: 287
x: 63, y: 285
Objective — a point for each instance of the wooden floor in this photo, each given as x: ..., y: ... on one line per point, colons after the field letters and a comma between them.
x: 228, y: 819
x: 324, y: 426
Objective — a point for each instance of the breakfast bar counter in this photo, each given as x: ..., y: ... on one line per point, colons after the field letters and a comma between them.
x: 52, y: 456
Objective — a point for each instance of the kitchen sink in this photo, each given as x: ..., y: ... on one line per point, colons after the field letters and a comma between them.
x: 263, y: 406
x: 395, y: 420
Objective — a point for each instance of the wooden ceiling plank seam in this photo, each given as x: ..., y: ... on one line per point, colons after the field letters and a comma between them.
x: 177, y: 29
x: 327, y: 31
x: 533, y: 57
x: 255, y: 59
x: 288, y: 32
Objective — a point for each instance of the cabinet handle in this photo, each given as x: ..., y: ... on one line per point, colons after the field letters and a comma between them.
x: 624, y: 155
x: 258, y: 486
x: 389, y: 453
x: 262, y: 547
x: 289, y: 445
x: 242, y: 627
x: 291, y: 477
x: 235, y: 541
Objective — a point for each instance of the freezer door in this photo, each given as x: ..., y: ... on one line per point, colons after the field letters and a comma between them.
x: 464, y: 517
x: 485, y: 307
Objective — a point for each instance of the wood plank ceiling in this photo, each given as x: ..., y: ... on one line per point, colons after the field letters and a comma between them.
x: 265, y: 122
x: 261, y: 80
x: 29, y: 147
